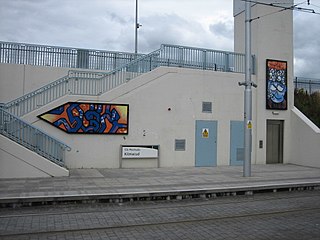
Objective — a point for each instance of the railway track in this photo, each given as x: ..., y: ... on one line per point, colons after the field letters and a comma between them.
x: 41, y: 224
x: 123, y: 207
x: 38, y: 234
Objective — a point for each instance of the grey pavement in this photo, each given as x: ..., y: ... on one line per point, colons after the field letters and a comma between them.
x: 131, y: 184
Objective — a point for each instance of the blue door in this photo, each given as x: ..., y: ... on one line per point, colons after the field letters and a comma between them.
x: 206, y: 143
x: 236, y: 143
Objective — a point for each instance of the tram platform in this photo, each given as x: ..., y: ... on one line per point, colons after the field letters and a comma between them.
x: 121, y: 185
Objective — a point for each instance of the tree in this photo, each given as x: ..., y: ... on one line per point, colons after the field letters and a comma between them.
x: 308, y: 104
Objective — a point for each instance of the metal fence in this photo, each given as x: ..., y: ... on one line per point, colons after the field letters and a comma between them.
x: 32, y: 138
x: 200, y: 58
x: 53, y: 56
x: 171, y: 55
x: 310, y: 85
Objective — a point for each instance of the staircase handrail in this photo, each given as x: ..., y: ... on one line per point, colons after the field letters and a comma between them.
x: 47, y: 93
x: 77, y: 83
x: 129, y: 71
x: 32, y: 137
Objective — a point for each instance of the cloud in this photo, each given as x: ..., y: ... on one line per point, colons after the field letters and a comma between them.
x: 307, y: 45
x: 105, y: 24
x: 174, y: 29
x: 65, y: 23
x: 167, y: 28
x: 109, y: 24
x: 222, y: 29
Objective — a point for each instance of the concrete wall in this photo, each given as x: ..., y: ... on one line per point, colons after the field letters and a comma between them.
x: 305, y: 140
x: 149, y: 97
x: 19, y: 162
x: 17, y: 79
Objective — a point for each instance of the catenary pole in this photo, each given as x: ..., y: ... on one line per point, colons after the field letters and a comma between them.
x: 247, y: 94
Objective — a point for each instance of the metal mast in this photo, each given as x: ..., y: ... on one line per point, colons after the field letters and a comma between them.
x: 247, y: 94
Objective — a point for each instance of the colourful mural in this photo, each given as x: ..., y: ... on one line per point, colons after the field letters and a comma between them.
x: 82, y: 117
x: 276, y: 83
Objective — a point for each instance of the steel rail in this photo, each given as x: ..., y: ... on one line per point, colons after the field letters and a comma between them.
x: 164, y: 223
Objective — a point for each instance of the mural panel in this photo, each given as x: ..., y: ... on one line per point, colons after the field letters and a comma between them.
x: 276, y: 91
x: 83, y: 117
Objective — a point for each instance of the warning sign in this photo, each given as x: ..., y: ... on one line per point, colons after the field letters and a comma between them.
x: 205, y: 132
x: 249, y: 124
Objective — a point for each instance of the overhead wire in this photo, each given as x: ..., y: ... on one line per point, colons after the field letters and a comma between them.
x: 283, y: 8
x: 314, y: 5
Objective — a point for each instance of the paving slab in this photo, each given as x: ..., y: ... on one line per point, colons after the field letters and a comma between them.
x: 104, y: 184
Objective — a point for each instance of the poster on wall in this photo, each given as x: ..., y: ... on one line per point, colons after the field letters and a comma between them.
x: 276, y: 85
x: 86, y: 117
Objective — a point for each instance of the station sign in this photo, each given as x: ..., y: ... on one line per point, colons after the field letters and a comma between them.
x: 140, y: 152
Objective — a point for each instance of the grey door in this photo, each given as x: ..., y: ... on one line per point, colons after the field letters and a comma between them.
x: 206, y: 143
x: 274, y: 141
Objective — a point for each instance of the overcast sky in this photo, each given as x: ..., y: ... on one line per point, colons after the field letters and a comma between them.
x: 109, y: 25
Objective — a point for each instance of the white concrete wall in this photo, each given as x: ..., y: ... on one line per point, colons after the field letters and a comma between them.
x: 149, y: 97
x: 17, y: 79
x: 305, y: 140
x: 19, y: 162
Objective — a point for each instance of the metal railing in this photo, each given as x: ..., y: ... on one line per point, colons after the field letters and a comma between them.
x: 53, y: 56
x: 310, y: 85
x: 51, y: 92
x: 171, y: 55
x: 32, y: 138
x: 96, y: 83
x: 200, y: 58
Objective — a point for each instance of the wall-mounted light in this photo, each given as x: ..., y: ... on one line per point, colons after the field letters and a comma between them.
x: 275, y: 113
